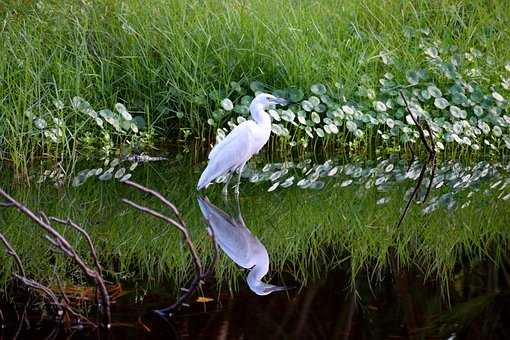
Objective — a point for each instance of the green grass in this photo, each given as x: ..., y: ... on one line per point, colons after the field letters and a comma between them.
x: 306, y: 232
x: 162, y: 59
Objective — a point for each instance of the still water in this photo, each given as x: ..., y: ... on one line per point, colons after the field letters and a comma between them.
x: 304, y: 253
x: 402, y: 306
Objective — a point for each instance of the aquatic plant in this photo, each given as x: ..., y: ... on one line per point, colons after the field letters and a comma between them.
x: 453, y: 186
x: 467, y: 113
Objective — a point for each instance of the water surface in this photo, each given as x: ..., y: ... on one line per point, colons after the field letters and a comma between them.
x: 328, y: 228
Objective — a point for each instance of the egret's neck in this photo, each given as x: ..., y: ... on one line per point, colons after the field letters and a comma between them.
x: 255, y: 276
x: 259, y: 115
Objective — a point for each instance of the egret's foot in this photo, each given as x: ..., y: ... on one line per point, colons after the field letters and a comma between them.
x: 224, y: 191
x: 236, y: 190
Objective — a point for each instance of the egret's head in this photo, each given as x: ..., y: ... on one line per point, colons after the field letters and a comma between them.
x: 266, y: 100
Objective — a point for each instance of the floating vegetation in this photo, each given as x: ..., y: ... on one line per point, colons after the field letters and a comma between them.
x: 453, y: 185
x: 118, y: 168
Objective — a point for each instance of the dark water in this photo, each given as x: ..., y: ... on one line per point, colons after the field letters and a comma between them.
x: 402, y: 306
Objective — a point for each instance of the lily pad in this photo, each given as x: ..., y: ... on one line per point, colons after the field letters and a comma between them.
x: 123, y: 111
x: 441, y: 103
x: 257, y: 86
x: 434, y: 91
x: 307, y: 106
x: 295, y: 95
x: 318, y: 89
x: 40, y: 123
x: 351, y: 126
x: 227, y: 104
x: 315, y: 117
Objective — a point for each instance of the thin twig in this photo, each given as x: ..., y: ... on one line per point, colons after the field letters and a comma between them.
x: 180, y: 224
x: 160, y: 197
x: 45, y: 290
x: 412, y: 156
x: 87, y: 237
x: 11, y: 252
x: 431, y: 158
x: 420, y: 130
x: 410, y: 200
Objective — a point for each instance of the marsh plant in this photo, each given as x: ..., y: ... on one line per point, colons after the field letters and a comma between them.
x: 128, y: 130
x: 341, y: 69
x: 113, y: 128
x: 111, y: 136
x: 467, y: 113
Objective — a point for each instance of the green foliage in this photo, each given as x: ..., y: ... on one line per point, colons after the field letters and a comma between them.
x: 174, y: 62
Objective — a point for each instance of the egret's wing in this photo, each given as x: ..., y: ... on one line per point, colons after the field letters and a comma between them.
x: 241, y: 134
x: 234, y: 239
x: 229, y: 154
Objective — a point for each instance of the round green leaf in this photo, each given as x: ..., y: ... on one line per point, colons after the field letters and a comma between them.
x: 227, y: 104
x: 441, y: 103
x: 318, y: 89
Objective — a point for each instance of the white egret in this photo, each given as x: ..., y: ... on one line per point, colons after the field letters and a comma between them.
x: 238, y: 243
x: 244, y: 141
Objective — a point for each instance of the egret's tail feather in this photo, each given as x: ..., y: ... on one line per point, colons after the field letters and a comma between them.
x: 211, y: 172
x: 202, y: 182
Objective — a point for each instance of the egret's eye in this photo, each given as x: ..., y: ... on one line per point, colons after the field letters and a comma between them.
x: 268, y: 98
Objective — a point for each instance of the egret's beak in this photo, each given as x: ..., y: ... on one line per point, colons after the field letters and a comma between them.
x: 272, y: 288
x: 280, y: 101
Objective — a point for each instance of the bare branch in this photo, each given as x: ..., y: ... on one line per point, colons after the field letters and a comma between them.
x: 156, y: 214
x: 61, y: 243
x: 45, y: 290
x: 87, y: 237
x: 11, y: 252
x: 182, y: 227
x: 158, y: 196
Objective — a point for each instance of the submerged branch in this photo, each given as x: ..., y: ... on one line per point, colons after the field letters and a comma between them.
x: 179, y: 223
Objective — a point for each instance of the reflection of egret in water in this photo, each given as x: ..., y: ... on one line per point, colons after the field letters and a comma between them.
x: 236, y: 240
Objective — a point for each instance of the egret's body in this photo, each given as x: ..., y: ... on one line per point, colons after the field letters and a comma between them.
x: 238, y: 243
x: 244, y: 141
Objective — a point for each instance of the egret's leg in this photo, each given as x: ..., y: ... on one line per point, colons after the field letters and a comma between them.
x: 224, y: 191
x: 238, y: 210
x: 236, y: 187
